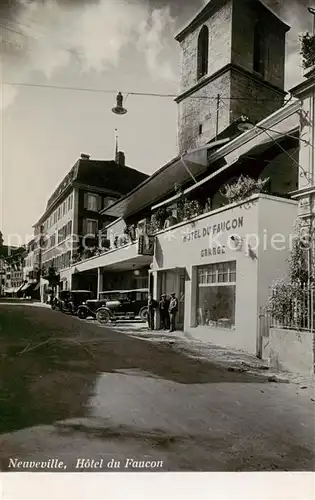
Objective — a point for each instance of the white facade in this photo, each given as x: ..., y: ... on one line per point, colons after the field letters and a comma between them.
x: 247, y: 234
x: 29, y: 264
x: 58, y: 229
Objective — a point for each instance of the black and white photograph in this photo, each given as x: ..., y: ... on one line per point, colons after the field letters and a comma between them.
x: 157, y: 249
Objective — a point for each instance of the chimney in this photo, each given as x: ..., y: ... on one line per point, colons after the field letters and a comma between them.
x: 84, y: 156
x: 120, y: 158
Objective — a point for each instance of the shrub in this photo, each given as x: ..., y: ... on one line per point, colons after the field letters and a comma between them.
x: 244, y: 187
x: 308, y: 50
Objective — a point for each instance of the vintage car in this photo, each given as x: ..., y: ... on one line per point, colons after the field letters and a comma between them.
x: 116, y: 304
x: 70, y: 300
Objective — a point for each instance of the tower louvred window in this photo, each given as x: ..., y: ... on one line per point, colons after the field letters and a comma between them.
x: 203, y: 49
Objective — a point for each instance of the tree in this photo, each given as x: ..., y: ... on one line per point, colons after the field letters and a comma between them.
x: 308, y: 50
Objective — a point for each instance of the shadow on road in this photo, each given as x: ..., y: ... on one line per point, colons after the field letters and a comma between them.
x: 50, y: 363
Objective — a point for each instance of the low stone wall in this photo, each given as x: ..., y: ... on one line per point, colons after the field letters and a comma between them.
x: 290, y: 350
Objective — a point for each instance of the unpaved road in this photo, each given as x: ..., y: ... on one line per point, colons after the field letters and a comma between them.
x: 71, y: 391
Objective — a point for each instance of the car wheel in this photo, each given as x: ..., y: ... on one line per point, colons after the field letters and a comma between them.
x: 103, y: 316
x: 144, y: 314
x: 82, y: 313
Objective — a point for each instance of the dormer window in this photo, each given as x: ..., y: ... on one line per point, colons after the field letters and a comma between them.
x: 203, y: 52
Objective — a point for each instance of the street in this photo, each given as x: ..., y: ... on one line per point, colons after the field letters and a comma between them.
x: 78, y: 397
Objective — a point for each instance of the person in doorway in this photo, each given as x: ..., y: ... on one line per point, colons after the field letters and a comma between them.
x: 164, y: 314
x: 173, y: 309
x: 152, y: 305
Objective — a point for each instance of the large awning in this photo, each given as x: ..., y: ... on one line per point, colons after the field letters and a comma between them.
x: 253, y: 151
x: 27, y: 287
x: 11, y: 290
x: 161, y: 184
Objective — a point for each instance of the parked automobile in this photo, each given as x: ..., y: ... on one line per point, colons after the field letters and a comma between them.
x: 70, y: 300
x: 116, y: 304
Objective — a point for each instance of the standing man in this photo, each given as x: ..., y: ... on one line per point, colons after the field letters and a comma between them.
x: 164, y: 314
x: 152, y: 304
x: 173, y: 308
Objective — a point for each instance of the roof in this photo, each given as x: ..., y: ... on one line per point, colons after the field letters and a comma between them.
x: 99, y: 174
x: 268, y: 147
x: 108, y: 174
x: 306, y: 86
x: 161, y: 183
x: 212, y: 6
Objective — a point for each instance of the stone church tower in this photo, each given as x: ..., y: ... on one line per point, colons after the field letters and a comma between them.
x: 232, y: 64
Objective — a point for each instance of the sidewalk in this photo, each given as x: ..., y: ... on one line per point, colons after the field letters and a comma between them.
x: 24, y: 303
x: 234, y: 359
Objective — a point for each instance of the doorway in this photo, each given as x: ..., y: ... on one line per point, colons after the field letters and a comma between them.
x: 170, y: 281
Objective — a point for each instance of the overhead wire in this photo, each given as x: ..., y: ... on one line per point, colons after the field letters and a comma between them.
x: 112, y: 91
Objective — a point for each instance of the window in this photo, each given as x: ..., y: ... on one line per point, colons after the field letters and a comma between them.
x: 259, y: 49
x: 69, y: 228
x: 216, y: 284
x: 91, y: 226
x: 203, y: 50
x: 70, y: 202
x: 59, y: 212
x: 61, y: 234
x: 200, y: 129
x: 92, y: 202
x: 64, y: 207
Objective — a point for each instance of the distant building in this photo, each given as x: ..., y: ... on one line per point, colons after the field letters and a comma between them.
x: 11, y: 265
x: 72, y: 219
x: 31, y: 274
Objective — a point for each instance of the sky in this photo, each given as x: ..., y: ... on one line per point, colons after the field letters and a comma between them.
x: 108, y: 45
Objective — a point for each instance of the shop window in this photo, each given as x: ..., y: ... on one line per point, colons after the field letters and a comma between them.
x: 203, y: 49
x: 216, y: 284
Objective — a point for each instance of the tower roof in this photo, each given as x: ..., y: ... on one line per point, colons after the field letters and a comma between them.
x: 210, y: 8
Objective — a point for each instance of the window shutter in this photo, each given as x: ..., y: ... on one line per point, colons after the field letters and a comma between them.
x: 84, y: 226
x: 99, y: 202
x: 86, y: 199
